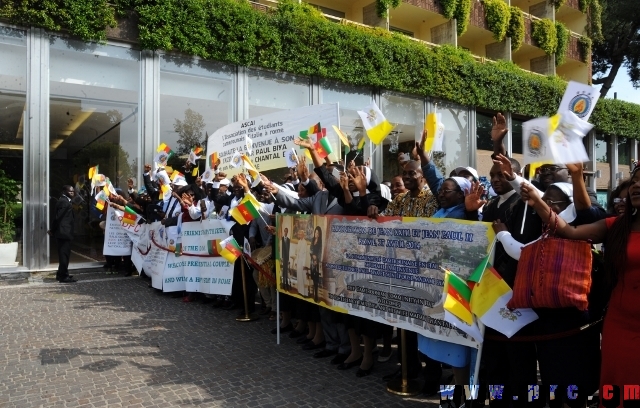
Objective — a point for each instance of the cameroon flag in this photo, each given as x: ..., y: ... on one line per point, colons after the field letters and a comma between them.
x: 458, y: 296
x: 230, y: 250
x: 213, y: 247
x: 164, y: 148
x: 245, y: 211
x: 323, y: 147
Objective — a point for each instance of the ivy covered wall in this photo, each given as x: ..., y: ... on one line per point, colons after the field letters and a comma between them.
x: 298, y: 39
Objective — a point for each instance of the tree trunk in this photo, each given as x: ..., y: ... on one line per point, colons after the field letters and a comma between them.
x: 608, y: 81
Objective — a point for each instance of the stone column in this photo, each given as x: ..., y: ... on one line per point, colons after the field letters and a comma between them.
x: 370, y: 17
x: 445, y: 33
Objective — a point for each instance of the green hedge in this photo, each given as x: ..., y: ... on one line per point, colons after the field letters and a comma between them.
x: 298, y: 39
x: 516, y: 28
x: 498, y: 14
x: 562, y: 35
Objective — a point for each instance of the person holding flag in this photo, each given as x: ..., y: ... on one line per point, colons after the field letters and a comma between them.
x: 239, y: 232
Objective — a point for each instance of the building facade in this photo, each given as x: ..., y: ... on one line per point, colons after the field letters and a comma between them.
x: 66, y: 104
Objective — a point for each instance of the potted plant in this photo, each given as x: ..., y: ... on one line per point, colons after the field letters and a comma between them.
x: 9, y: 190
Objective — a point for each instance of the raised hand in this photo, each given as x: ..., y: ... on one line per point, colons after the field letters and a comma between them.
x: 303, y: 170
x: 242, y: 181
x: 359, y: 178
x: 306, y: 143
x: 344, y: 181
x: 130, y: 183
x: 186, y: 199
x: 575, y: 168
x: 419, y: 148
x: 473, y: 201
x: 499, y: 129
x: 505, y: 166
x: 530, y: 195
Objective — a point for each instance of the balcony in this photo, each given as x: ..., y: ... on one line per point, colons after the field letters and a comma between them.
x: 574, y: 50
x: 478, y: 13
x: 429, y: 5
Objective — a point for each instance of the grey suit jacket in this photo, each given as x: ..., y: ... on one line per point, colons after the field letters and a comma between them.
x: 316, y: 204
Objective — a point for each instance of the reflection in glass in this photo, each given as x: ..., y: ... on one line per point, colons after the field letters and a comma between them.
x: 407, y: 114
x: 13, y: 72
x: 350, y: 99
x: 484, y: 124
x: 275, y: 91
x: 93, y: 121
x: 602, y: 162
x: 196, y: 99
x: 456, y: 136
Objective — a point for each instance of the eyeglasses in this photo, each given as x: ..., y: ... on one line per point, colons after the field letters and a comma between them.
x: 411, y: 173
x: 551, y: 169
x: 550, y: 202
x: 619, y: 200
x: 442, y: 190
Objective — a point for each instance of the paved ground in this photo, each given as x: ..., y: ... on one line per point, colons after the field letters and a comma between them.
x: 113, y: 342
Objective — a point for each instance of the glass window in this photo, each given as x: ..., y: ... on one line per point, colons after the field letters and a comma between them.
x: 13, y: 73
x: 484, y: 145
x: 350, y: 99
x: 196, y: 99
x: 94, y: 92
x: 407, y: 114
x: 273, y: 91
x: 602, y: 162
x: 455, y: 119
x: 516, y: 138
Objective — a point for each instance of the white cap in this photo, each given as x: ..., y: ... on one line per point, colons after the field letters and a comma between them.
x: 181, y: 182
x: 471, y: 170
x: 225, y: 182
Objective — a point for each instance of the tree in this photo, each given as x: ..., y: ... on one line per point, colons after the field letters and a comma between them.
x: 619, y: 45
x: 190, y: 130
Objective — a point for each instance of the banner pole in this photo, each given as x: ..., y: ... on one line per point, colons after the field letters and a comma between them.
x: 404, y: 386
x: 476, y: 369
x: 247, y: 317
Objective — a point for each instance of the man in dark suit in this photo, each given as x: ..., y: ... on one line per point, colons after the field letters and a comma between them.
x: 284, y: 256
x: 62, y: 231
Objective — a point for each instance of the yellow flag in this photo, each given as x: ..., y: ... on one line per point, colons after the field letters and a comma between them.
x: 343, y: 138
x: 431, y: 126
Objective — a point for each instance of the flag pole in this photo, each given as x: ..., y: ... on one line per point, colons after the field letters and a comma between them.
x: 404, y: 386
x: 278, y: 313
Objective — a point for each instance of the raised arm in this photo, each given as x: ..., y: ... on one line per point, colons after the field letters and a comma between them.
x: 594, y: 233
x: 498, y: 133
x: 581, y: 198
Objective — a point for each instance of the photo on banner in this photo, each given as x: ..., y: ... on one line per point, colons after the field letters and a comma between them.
x: 387, y: 270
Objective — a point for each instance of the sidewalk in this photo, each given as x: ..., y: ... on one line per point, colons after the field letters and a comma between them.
x: 112, y: 341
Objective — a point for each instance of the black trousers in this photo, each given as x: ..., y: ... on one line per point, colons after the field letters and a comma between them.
x: 64, y: 252
x: 237, y: 294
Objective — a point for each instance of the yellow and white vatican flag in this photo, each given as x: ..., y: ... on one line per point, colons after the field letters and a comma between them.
x: 555, y: 140
x: 580, y: 99
x: 435, y: 132
x: 375, y: 124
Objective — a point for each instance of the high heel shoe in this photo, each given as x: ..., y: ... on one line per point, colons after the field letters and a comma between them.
x: 346, y: 366
x: 363, y: 373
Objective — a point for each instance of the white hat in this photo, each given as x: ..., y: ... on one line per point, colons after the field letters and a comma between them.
x: 471, y: 170
x: 225, y: 182
x: 463, y: 183
x: 385, y: 192
x: 181, y: 182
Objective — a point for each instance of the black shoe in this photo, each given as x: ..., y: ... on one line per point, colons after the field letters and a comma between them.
x: 430, y: 389
x: 363, y: 373
x: 393, y: 375
x: 229, y: 306
x: 285, y: 329
x: 346, y: 366
x: 339, y: 359
x: 325, y: 353
x: 295, y: 334
x: 312, y: 346
x: 68, y: 280
x: 303, y: 340
x: 218, y: 303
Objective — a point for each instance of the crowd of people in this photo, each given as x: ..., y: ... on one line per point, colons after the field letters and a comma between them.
x: 567, y: 346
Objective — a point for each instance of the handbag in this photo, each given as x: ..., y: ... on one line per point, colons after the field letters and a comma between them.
x: 553, y: 273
